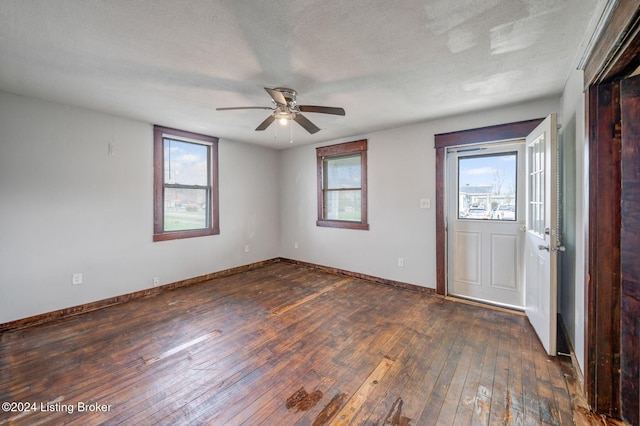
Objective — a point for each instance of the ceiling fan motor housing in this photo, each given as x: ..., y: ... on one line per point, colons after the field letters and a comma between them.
x: 289, y: 94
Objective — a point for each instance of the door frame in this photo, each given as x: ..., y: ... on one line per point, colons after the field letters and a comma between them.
x: 500, y: 132
x: 615, y: 54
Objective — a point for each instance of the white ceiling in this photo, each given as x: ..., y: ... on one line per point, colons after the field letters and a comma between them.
x: 387, y: 63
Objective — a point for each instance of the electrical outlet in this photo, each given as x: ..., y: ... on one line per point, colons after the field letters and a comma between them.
x: 76, y: 279
x: 425, y: 203
x: 156, y: 281
x: 246, y: 248
x: 401, y: 262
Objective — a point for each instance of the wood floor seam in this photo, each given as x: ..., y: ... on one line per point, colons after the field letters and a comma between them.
x: 285, y: 308
x: 234, y: 353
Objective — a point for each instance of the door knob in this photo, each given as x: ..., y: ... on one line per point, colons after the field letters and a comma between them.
x: 541, y: 247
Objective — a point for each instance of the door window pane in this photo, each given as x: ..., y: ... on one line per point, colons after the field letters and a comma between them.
x: 536, y: 186
x: 487, y: 186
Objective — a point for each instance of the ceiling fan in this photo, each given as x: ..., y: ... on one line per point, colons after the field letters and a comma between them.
x: 286, y: 109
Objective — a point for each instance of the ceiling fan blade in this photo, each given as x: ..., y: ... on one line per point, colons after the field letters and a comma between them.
x: 277, y: 96
x: 308, y: 125
x: 229, y: 108
x: 321, y: 109
x: 266, y: 123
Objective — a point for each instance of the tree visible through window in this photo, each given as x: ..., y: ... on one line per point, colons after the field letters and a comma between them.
x: 186, y: 184
x: 342, y: 185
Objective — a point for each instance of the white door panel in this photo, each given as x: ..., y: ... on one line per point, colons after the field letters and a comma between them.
x: 484, y: 245
x: 541, y: 236
x: 504, y: 251
x: 469, y: 258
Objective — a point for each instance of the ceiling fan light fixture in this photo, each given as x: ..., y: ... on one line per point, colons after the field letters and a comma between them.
x: 283, y: 116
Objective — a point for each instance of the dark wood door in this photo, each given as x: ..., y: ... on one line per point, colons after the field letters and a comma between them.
x: 630, y: 250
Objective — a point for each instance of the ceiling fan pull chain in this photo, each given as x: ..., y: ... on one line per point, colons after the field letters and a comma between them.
x: 290, y: 132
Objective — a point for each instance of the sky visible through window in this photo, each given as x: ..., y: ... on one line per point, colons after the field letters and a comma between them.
x: 185, y: 163
x: 497, y: 171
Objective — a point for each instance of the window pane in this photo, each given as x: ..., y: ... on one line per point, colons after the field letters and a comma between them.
x: 186, y: 163
x: 487, y: 186
x: 343, y: 172
x: 536, y: 183
x: 185, y: 209
x: 343, y: 205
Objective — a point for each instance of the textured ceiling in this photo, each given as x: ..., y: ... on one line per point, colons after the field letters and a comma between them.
x: 387, y: 63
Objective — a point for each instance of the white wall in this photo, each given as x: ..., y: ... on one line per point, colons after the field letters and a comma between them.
x: 572, y: 298
x: 66, y: 206
x: 401, y: 171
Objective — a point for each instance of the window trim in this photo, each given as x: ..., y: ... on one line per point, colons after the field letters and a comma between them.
x: 339, y: 150
x: 159, y: 234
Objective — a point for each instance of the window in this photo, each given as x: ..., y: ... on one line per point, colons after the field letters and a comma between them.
x: 342, y: 185
x: 487, y: 186
x: 185, y: 184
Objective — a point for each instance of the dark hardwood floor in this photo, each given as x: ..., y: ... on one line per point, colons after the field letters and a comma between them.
x: 284, y: 345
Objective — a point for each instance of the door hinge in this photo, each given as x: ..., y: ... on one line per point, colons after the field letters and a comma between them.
x: 617, y: 130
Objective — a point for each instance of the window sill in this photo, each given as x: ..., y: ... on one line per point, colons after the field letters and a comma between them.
x: 342, y: 224
x: 177, y: 235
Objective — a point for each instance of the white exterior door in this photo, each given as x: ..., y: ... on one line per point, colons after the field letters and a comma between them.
x: 486, y: 203
x: 541, y: 236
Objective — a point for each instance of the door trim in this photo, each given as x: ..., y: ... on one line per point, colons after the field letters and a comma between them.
x: 602, y: 378
x: 614, y: 57
x: 500, y: 132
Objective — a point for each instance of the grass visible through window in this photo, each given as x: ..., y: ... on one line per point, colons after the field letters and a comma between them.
x: 181, y: 218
